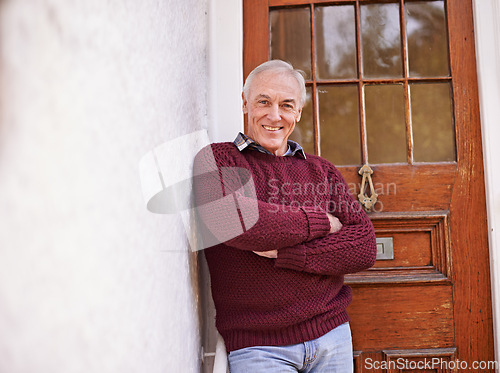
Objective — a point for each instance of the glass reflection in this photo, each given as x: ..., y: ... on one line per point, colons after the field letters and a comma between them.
x: 427, y: 39
x: 385, y: 123
x: 304, y: 130
x: 335, y: 42
x: 339, y: 124
x: 432, y: 123
x: 381, y: 41
x: 290, y: 37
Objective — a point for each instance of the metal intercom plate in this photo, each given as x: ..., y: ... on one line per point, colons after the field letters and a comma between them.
x: 385, y: 249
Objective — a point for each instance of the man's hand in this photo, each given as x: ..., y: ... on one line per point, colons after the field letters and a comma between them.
x: 273, y: 254
x: 335, y: 224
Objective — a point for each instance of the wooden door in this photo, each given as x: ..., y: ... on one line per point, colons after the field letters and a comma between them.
x: 392, y: 84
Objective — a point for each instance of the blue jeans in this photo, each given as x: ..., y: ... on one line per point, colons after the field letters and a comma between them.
x: 330, y: 353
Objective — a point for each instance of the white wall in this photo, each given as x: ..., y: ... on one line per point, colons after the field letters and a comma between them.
x: 487, y: 31
x: 90, y: 281
x: 225, y: 61
x: 225, y: 69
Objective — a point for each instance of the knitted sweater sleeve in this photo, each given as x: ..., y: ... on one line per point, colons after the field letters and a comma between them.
x: 229, y: 211
x: 349, y: 250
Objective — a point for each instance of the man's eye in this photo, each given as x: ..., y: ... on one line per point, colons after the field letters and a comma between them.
x: 263, y: 102
x: 288, y: 106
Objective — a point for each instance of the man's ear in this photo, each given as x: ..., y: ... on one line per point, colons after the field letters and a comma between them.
x: 245, y: 104
x: 299, y: 115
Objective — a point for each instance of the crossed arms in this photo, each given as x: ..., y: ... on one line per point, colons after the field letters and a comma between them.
x: 307, y: 239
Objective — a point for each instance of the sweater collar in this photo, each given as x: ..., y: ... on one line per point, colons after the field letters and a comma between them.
x: 242, y: 141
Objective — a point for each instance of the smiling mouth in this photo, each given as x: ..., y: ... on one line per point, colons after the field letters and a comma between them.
x: 272, y: 128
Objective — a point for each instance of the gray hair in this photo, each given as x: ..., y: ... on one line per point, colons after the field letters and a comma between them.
x: 277, y: 66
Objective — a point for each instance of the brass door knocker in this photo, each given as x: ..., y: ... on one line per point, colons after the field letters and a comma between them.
x: 367, y: 201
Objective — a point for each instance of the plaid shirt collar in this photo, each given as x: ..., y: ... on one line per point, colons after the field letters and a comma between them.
x: 242, y: 141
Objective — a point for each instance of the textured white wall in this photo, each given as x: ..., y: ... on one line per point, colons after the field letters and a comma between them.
x: 90, y: 281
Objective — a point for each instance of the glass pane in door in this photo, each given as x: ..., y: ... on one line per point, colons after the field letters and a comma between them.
x: 385, y: 123
x: 335, y: 32
x: 432, y: 122
x: 339, y: 124
x: 381, y: 41
x: 290, y: 37
x: 427, y: 39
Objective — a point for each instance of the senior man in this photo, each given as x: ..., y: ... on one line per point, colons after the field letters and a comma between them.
x: 278, y: 286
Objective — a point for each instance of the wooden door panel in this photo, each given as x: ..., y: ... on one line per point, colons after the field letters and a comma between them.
x: 401, y: 187
x: 402, y: 317
x: 410, y: 249
x: 471, y: 290
x: 422, y: 249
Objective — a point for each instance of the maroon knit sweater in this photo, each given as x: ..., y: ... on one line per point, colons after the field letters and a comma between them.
x: 300, y: 295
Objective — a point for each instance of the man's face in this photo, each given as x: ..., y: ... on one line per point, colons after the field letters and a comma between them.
x: 273, y: 107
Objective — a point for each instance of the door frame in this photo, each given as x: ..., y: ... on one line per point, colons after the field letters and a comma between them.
x: 487, y: 31
x: 487, y: 25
